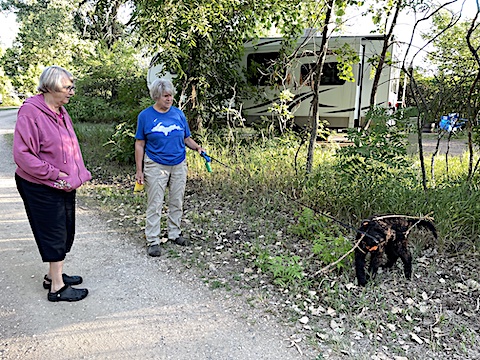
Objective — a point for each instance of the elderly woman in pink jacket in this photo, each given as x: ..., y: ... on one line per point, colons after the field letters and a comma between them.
x: 49, y: 169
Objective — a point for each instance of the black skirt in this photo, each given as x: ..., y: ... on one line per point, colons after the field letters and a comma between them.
x: 51, y: 213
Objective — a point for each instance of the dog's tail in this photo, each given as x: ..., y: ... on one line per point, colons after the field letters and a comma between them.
x: 428, y: 225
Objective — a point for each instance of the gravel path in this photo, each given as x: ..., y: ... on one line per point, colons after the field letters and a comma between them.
x: 138, y: 307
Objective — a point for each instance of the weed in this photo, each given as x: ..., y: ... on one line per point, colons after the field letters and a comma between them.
x: 327, y: 242
x: 284, y: 269
x: 216, y: 284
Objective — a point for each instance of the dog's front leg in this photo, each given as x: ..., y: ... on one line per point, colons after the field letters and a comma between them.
x: 406, y: 257
x: 360, y: 266
x: 375, y: 262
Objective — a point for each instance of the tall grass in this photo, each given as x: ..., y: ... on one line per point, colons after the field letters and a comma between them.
x: 264, y: 172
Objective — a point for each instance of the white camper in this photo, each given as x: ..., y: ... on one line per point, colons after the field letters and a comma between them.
x: 342, y: 104
x: 156, y: 70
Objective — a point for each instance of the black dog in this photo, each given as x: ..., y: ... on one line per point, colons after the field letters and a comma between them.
x: 386, y: 234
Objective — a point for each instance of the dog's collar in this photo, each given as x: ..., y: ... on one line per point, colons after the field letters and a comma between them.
x: 372, y: 248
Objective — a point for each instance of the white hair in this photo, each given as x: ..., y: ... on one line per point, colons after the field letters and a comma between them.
x: 51, y: 79
x: 161, y: 86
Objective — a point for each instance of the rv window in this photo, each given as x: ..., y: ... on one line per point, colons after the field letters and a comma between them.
x: 260, y: 67
x: 329, y: 75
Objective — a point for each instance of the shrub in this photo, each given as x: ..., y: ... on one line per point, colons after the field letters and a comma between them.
x: 122, y: 143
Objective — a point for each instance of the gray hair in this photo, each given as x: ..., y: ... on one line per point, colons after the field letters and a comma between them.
x: 51, y: 79
x: 161, y: 86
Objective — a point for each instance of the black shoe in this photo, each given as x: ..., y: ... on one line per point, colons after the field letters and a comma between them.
x: 67, y: 280
x: 181, y: 241
x: 154, y: 250
x: 67, y: 293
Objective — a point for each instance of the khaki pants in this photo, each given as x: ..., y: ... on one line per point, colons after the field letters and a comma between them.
x: 157, y: 178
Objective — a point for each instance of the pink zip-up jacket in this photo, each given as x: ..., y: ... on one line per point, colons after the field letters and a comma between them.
x: 44, y: 143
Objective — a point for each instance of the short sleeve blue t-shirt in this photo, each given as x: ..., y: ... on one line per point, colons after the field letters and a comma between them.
x: 164, y: 134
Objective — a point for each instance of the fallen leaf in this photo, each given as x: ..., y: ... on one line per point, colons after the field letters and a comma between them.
x: 322, y: 336
x: 461, y: 286
x: 391, y: 327
x: 396, y: 310
x: 335, y: 326
x: 331, y: 312
x: 472, y: 284
x: 350, y: 286
x: 304, y: 320
x: 416, y: 338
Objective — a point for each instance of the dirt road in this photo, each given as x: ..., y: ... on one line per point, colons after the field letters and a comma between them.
x: 138, y: 307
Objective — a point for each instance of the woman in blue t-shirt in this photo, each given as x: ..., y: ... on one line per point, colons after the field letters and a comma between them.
x: 161, y: 137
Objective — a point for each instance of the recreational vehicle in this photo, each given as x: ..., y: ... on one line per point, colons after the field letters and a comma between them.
x: 343, y: 104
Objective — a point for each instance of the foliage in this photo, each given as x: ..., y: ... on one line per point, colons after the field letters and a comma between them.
x: 45, y: 37
x: 281, y: 110
x: 346, y: 57
x: 379, y: 150
x: 7, y: 93
x: 328, y: 242
x: 456, y: 65
x: 112, y: 84
x: 202, y: 43
x: 476, y: 135
x: 82, y: 37
x: 99, y: 20
x: 122, y: 143
x: 286, y: 270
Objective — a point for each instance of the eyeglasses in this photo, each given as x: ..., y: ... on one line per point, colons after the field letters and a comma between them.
x: 69, y: 88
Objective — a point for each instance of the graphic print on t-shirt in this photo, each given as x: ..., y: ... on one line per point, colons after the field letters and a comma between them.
x: 165, y: 129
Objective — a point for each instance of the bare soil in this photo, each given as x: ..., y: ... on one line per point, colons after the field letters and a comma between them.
x: 454, y: 147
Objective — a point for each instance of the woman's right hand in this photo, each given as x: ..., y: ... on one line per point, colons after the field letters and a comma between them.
x: 60, y: 183
x: 139, y: 177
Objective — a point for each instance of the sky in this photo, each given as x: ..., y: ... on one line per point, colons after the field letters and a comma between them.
x: 8, y: 29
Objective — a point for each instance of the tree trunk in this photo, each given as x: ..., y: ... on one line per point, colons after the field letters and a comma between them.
x: 471, y: 111
x: 316, y: 85
x: 383, y: 54
x: 419, y: 98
